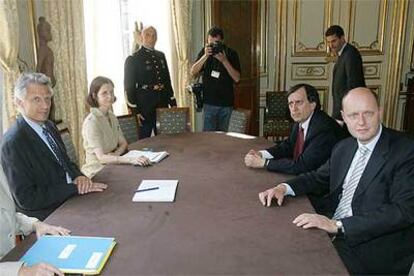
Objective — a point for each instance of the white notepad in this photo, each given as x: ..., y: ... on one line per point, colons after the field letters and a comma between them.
x: 154, y: 157
x: 165, y: 192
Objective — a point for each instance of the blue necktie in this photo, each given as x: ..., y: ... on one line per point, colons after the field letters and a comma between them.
x: 60, y: 156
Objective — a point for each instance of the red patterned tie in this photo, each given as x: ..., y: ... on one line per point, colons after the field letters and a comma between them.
x: 300, y: 141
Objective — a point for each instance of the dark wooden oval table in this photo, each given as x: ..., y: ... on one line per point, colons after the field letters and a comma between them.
x: 216, y: 224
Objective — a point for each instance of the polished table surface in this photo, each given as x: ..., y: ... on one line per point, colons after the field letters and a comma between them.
x: 216, y: 224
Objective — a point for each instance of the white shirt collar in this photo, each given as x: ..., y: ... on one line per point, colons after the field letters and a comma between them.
x: 36, y: 126
x: 371, y: 145
x: 342, y: 49
x: 305, y: 125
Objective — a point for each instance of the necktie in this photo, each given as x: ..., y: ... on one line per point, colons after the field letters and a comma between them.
x: 60, y: 156
x: 300, y: 141
x: 349, y: 188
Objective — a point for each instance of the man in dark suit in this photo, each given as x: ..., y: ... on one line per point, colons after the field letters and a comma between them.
x: 348, y: 71
x: 147, y: 83
x: 310, y: 143
x: 369, y: 179
x: 40, y: 174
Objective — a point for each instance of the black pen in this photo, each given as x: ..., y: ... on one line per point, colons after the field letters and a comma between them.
x: 147, y: 189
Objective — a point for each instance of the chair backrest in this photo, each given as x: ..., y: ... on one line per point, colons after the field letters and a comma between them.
x: 276, y: 105
x: 129, y: 127
x: 173, y: 120
x: 240, y: 121
x: 70, y: 147
x: 277, y: 122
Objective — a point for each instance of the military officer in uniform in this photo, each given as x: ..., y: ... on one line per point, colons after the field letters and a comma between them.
x: 147, y: 82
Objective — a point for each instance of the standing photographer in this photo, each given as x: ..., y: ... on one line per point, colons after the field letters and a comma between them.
x: 221, y: 68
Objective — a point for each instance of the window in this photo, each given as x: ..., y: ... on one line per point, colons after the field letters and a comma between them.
x: 109, y: 27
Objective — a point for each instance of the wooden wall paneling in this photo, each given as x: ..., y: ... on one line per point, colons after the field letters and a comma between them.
x: 239, y: 20
x: 367, y: 35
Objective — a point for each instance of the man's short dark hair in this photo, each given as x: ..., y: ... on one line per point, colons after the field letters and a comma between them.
x: 335, y: 30
x: 96, y: 84
x: 311, y: 93
x: 216, y: 31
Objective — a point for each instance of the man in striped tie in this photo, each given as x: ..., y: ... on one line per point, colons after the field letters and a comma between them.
x: 369, y: 183
x: 40, y: 174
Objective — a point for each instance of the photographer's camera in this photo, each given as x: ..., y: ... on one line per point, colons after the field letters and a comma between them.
x: 216, y: 47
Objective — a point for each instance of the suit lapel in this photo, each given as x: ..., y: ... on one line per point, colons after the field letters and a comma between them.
x: 343, y: 165
x: 36, y: 140
x: 339, y: 60
x: 335, y: 66
x: 313, y: 126
x: 294, y: 134
x: 375, y: 163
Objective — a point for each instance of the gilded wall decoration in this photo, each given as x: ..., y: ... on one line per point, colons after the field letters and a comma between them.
x: 310, y: 19
x: 323, y: 92
x: 370, y: 39
x: 372, y: 70
x: 263, y: 36
x: 377, y: 90
x: 306, y: 71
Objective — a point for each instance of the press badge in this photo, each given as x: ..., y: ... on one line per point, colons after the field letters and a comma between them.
x: 215, y: 74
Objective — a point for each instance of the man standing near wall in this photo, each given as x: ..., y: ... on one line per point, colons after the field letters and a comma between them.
x: 348, y: 72
x: 221, y: 69
x: 147, y: 82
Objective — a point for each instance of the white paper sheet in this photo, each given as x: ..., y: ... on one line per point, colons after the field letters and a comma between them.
x: 154, y: 157
x: 164, y: 193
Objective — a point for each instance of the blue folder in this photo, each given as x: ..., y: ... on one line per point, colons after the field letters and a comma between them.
x: 71, y: 254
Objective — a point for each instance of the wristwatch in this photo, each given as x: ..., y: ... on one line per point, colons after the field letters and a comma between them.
x: 340, y: 228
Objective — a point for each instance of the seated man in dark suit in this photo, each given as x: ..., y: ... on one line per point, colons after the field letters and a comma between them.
x: 310, y: 143
x: 369, y: 180
x: 40, y: 174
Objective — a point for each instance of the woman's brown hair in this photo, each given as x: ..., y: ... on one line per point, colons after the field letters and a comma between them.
x: 96, y: 84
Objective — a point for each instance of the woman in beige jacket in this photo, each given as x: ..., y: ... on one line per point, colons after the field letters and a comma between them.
x: 103, y: 140
x: 12, y: 224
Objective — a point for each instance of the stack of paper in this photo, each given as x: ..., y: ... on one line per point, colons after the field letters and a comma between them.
x: 240, y: 135
x: 156, y: 191
x: 154, y: 157
x: 71, y: 254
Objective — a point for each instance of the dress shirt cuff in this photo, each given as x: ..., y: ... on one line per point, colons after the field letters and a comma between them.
x: 289, y: 190
x: 25, y: 224
x: 266, y: 154
x: 10, y: 268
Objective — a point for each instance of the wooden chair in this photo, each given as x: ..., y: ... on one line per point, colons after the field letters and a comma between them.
x: 70, y: 147
x: 240, y: 121
x: 277, y: 123
x: 173, y: 120
x: 129, y: 127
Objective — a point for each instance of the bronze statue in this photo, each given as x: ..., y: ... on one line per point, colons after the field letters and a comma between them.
x: 45, y: 61
x: 44, y: 53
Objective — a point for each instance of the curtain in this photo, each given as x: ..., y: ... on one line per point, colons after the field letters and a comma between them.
x: 103, y: 42
x: 9, y: 45
x: 66, y: 20
x: 181, y: 21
